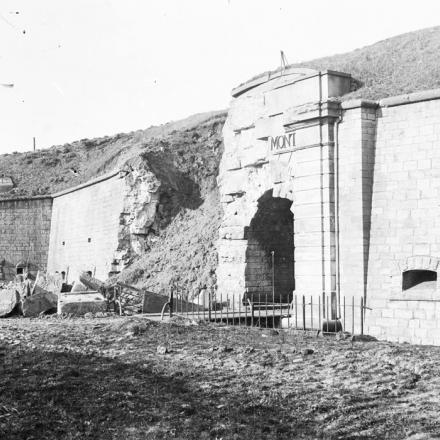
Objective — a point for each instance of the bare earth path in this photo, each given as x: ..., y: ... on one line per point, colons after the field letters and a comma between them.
x: 103, y: 378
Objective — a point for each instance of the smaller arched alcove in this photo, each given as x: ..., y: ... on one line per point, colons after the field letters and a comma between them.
x: 419, y: 279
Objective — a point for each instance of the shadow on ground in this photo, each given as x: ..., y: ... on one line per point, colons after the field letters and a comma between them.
x: 51, y: 395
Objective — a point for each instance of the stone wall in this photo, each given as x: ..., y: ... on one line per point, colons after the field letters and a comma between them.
x: 405, y: 219
x: 24, y: 234
x: 105, y: 223
x: 85, y: 226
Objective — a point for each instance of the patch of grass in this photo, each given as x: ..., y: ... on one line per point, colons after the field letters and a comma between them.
x: 398, y: 65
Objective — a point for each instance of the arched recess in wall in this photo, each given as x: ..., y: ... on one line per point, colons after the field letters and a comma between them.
x: 416, y: 277
x: 270, y: 230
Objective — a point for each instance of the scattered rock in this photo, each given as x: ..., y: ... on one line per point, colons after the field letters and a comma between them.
x: 38, y: 303
x: 342, y: 336
x: 88, y: 315
x: 363, y: 338
x: 307, y: 351
x: 162, y: 349
x: 182, y: 320
x: 82, y: 303
x: 9, y: 299
x: 221, y: 349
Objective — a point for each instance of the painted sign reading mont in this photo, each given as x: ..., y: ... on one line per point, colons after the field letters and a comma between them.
x: 281, y: 144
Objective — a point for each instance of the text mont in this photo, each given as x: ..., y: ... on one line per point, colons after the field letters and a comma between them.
x: 282, y: 142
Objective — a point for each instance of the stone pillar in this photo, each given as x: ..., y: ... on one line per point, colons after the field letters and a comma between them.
x: 313, y: 195
x: 357, y: 133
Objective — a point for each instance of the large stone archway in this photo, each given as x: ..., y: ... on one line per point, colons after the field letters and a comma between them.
x: 269, y: 271
x: 279, y: 139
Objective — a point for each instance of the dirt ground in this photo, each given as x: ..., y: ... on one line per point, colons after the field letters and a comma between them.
x: 108, y: 378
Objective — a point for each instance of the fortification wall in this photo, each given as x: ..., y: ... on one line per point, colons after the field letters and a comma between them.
x: 405, y: 221
x: 85, y: 226
x: 24, y: 234
x: 362, y: 182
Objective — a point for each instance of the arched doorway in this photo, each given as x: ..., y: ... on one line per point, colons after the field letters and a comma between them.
x: 270, y: 270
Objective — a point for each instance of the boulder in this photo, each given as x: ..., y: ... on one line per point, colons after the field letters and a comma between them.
x: 78, y: 287
x: 38, y: 303
x: 80, y: 303
x: 47, y: 282
x: 91, y: 283
x: 9, y: 299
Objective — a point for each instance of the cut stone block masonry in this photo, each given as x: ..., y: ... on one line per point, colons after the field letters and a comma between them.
x: 341, y: 198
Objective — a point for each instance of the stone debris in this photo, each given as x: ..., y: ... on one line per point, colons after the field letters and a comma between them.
x: 46, y: 295
x: 9, y: 300
x: 46, y: 282
x: 342, y: 336
x: 307, y: 351
x: 161, y: 349
x: 363, y: 338
x: 80, y: 303
x: 42, y: 302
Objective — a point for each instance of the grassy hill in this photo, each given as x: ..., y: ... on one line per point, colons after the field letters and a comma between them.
x: 63, y: 166
x: 403, y: 64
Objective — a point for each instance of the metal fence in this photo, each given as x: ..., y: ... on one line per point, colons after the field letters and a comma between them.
x: 324, y: 312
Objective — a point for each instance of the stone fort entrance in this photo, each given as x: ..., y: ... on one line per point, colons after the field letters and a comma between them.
x: 270, y: 266
x: 277, y: 186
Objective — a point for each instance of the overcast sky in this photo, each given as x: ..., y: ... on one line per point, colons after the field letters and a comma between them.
x: 87, y: 68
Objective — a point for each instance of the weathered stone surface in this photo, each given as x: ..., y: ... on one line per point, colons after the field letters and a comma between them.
x: 81, y: 303
x: 79, y: 287
x: 20, y: 219
x: 91, y: 283
x: 47, y: 282
x: 9, y: 298
x: 39, y: 303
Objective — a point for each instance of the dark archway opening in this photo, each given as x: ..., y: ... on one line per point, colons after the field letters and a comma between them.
x: 270, y: 231
x: 423, y: 279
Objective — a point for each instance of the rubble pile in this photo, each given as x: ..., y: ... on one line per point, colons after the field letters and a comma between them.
x: 49, y: 294
x: 30, y: 298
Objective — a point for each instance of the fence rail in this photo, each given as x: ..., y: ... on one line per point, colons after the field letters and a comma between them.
x: 324, y: 312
